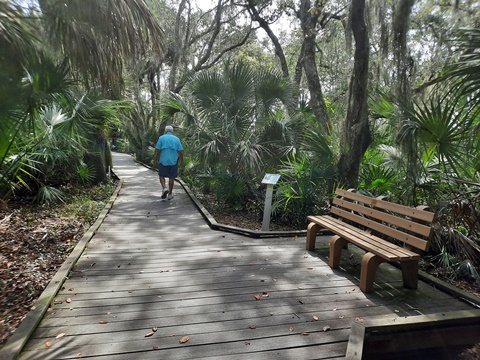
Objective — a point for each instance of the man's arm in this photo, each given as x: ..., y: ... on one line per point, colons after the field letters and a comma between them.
x: 180, y: 157
x: 157, y: 156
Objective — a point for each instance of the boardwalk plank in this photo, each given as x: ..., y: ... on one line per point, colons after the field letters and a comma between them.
x: 347, y: 311
x: 155, y: 263
x: 223, y: 343
x: 224, y: 331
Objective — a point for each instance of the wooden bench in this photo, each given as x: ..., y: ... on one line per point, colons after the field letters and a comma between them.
x: 374, y: 224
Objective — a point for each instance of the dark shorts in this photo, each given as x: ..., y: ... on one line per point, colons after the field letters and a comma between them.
x: 168, y: 171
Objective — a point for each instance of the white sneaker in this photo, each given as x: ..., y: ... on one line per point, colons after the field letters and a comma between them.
x: 164, y: 193
x: 170, y: 196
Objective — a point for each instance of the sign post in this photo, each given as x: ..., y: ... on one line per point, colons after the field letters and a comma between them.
x: 270, y: 180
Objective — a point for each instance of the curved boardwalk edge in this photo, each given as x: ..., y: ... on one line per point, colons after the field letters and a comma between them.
x: 214, y: 225
x: 17, y: 341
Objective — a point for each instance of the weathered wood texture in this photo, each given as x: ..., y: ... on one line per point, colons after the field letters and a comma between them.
x: 155, y: 264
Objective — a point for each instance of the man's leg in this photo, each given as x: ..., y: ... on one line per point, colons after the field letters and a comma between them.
x: 161, y: 175
x: 171, y: 180
x: 164, y: 188
x: 162, y: 182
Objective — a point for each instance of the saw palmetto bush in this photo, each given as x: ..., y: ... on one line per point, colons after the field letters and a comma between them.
x: 236, y: 125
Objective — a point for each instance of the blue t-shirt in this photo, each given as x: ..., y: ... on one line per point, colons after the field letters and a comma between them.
x: 169, y: 145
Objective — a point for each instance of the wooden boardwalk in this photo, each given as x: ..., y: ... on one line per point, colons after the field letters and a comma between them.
x: 156, y: 264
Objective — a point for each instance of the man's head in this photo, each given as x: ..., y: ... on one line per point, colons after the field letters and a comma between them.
x: 169, y: 129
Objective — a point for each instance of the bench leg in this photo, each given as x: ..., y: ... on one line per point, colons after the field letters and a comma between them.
x: 336, y: 245
x: 410, y: 274
x: 312, y: 231
x: 369, y: 267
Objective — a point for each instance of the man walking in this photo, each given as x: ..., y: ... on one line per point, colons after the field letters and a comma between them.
x: 168, y: 154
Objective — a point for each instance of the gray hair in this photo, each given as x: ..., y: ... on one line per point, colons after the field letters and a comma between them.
x: 169, y: 128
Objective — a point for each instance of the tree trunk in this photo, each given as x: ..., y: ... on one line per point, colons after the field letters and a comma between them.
x: 309, y: 16
x: 356, y: 135
x: 403, y: 64
x: 96, y: 159
x: 265, y: 26
x: 401, y: 24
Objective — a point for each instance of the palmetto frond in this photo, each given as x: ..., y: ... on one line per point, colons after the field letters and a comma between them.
x: 445, y: 127
x: 95, y: 34
x: 237, y: 117
x: 17, y: 37
x: 466, y: 70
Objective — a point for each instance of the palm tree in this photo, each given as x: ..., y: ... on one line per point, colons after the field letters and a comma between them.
x: 237, y: 119
x: 95, y: 35
x: 237, y: 124
x: 92, y: 36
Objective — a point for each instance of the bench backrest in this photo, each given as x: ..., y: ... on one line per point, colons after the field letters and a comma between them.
x: 409, y: 225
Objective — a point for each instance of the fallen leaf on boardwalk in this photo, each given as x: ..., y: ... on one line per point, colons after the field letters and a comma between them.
x: 71, y: 289
x: 184, y: 339
x: 397, y: 311
x: 155, y: 329
x: 359, y: 319
x: 253, y: 327
x: 341, y: 317
x: 155, y: 348
x: 48, y: 344
x: 102, y: 322
x: 326, y: 328
x: 315, y: 317
x: 60, y: 336
x: 257, y: 297
x: 171, y: 335
x: 68, y: 300
x: 305, y: 334
x: 79, y: 354
x: 310, y: 268
x: 335, y: 309
x: 291, y: 328
x: 149, y: 334
x: 265, y: 294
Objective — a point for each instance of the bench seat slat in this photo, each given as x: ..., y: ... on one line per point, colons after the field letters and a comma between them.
x: 406, y: 224
x: 350, y: 232
x: 384, y: 229
x: 386, y: 250
x: 358, y: 238
x: 414, y: 213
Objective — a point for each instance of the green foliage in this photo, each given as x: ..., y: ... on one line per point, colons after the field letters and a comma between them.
x: 85, y: 173
x: 377, y: 179
x: 85, y: 203
x: 444, y: 126
x: 300, y: 192
x: 237, y: 120
x: 49, y: 195
x: 231, y: 190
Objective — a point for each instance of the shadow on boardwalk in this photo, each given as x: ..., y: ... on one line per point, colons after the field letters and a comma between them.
x: 154, y: 273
